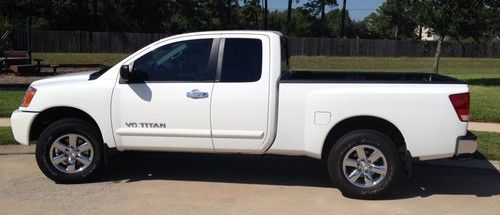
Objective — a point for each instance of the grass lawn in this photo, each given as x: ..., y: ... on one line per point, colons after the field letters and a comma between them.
x: 485, y: 103
x: 6, y: 136
x: 9, y: 101
x: 80, y: 58
x: 489, y: 145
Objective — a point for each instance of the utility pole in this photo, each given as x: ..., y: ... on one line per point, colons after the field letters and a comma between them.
x: 342, y: 23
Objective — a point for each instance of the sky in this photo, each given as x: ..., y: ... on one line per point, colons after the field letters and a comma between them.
x: 358, y: 9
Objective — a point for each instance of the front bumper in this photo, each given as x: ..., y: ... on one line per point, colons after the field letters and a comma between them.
x: 466, y: 144
x: 20, y: 122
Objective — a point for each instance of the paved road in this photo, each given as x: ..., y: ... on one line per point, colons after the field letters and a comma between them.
x: 138, y: 183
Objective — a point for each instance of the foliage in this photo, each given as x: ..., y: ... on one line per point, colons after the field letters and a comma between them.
x: 394, y: 19
x: 464, y: 20
x: 316, y: 10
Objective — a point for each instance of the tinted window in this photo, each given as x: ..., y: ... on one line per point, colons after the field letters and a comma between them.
x: 181, y: 61
x: 242, y: 60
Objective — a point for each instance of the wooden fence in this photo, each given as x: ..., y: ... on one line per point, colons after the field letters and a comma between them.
x: 112, y: 42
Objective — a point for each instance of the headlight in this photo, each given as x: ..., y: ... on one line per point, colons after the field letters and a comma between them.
x: 28, y: 96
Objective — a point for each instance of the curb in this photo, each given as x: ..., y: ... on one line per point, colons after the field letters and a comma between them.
x: 17, y: 149
x: 470, y: 164
x: 484, y: 126
x: 4, y: 122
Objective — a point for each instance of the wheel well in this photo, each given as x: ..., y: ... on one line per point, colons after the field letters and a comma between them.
x: 363, y: 122
x: 49, y: 116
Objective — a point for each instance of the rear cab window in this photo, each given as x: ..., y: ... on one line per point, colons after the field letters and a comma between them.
x: 242, y: 60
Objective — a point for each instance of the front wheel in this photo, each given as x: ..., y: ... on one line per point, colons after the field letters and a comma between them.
x: 364, y: 164
x: 69, y: 151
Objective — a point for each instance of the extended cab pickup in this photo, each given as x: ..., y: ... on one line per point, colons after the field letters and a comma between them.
x: 232, y: 92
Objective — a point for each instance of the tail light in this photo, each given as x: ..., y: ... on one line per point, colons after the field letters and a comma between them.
x: 461, y: 103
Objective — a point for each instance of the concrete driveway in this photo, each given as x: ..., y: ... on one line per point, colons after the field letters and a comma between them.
x: 168, y: 183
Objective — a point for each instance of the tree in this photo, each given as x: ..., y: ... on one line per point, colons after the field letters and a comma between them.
x: 250, y: 12
x: 458, y: 19
x: 266, y: 13
x: 318, y: 8
x: 394, y: 18
x: 289, y: 13
x: 491, y: 17
x: 299, y: 25
x: 342, y: 24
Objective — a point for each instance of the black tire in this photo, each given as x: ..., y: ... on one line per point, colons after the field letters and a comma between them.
x: 64, y: 127
x: 360, y: 138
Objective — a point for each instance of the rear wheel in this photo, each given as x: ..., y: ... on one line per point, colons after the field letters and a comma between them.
x: 69, y: 150
x: 364, y: 164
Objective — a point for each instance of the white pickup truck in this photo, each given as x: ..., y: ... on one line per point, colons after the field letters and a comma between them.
x: 232, y: 92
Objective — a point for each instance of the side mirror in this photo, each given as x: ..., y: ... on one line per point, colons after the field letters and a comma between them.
x: 125, y: 72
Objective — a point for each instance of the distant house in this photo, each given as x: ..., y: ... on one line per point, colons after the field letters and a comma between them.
x: 428, y: 35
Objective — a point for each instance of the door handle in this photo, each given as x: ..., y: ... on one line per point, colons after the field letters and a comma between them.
x: 197, y: 94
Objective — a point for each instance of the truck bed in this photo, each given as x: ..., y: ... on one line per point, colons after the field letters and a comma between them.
x: 366, y: 77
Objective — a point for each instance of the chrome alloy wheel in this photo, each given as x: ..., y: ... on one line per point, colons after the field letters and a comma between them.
x: 364, y: 166
x: 71, y: 153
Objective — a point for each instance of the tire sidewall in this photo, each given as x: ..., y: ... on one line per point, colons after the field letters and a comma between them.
x: 364, y: 137
x: 58, y: 129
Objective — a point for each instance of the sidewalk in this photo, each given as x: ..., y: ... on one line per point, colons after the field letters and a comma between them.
x: 4, y: 122
x: 474, y: 126
x: 484, y: 126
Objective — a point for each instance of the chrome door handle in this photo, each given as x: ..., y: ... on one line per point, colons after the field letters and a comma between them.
x: 197, y: 94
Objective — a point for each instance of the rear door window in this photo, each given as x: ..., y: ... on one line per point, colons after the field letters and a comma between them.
x: 242, y: 60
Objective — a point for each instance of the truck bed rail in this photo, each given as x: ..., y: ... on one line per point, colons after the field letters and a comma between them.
x: 366, y: 77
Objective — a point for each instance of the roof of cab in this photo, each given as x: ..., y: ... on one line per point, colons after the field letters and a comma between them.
x: 231, y: 32
x: 222, y: 32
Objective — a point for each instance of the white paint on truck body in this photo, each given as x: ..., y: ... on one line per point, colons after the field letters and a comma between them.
x: 259, y: 117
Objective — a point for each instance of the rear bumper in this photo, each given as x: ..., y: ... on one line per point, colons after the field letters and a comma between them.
x: 21, y: 123
x: 466, y: 144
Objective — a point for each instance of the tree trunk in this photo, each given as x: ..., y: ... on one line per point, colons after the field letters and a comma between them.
x: 342, y: 24
x: 289, y: 16
x: 396, y: 33
x: 435, y: 68
x: 256, y: 15
x: 220, y: 9
x: 266, y: 11
x: 322, y: 19
x: 228, y: 14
